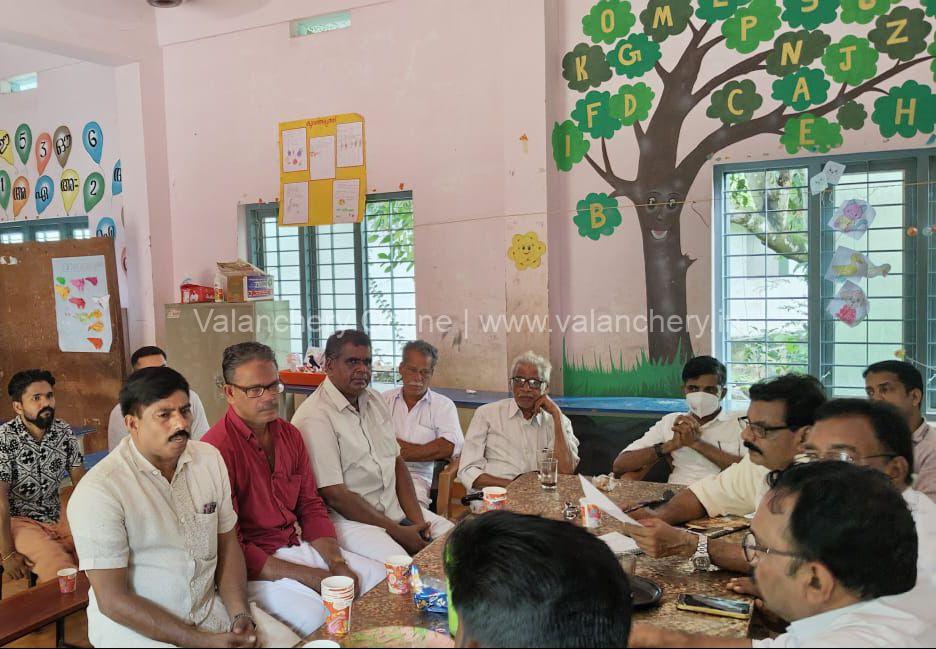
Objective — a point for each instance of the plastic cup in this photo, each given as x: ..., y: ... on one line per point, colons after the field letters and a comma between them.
x: 338, y: 595
x: 591, y: 513
x: 68, y: 580
x: 398, y: 573
x: 628, y: 562
x: 494, y: 498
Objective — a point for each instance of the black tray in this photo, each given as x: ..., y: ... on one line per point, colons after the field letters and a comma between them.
x: 644, y: 593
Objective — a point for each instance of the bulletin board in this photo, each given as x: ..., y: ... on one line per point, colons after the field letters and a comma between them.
x: 323, y: 172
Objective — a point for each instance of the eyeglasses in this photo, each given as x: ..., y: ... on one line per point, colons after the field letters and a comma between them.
x: 520, y: 381
x: 838, y: 456
x: 760, y: 431
x: 426, y: 373
x: 752, y: 550
x: 257, y: 391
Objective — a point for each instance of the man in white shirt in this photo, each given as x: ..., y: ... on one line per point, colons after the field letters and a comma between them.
x: 348, y: 433
x: 507, y: 438
x: 426, y: 423
x: 900, y: 384
x: 153, y: 357
x: 697, y: 444
x: 833, y: 598
x: 154, y: 526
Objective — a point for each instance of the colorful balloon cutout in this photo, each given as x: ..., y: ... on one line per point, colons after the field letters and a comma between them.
x: 106, y: 228
x: 22, y: 142
x: 5, y: 189
x: 70, y: 185
x: 63, y: 144
x: 93, y: 139
x: 20, y: 195
x: 6, y: 147
x: 117, y: 182
x: 43, y: 152
x: 45, y: 191
x: 93, y: 191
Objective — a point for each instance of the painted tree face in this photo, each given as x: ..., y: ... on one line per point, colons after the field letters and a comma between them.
x: 661, y: 214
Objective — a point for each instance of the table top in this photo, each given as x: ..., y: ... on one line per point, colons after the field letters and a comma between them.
x: 34, y: 608
x: 379, y: 608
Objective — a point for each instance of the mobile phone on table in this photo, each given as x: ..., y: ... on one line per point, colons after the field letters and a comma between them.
x: 714, y: 606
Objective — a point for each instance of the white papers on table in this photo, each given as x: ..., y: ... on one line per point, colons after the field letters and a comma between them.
x: 345, y: 196
x: 294, y: 150
x: 351, y: 144
x: 295, y: 203
x: 604, y: 503
x: 620, y: 543
x: 322, y: 158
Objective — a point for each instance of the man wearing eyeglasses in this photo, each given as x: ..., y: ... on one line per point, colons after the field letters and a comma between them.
x: 779, y: 416
x: 289, y: 542
x: 426, y: 423
x: 505, y: 439
x: 834, y: 550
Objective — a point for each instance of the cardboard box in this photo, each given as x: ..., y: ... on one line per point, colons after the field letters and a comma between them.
x: 243, y: 282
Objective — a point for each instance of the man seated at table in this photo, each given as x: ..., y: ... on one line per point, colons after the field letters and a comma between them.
x: 507, y: 438
x: 900, y: 384
x: 833, y: 547
x: 153, y: 357
x: 154, y: 528
x: 35, y: 451
x: 361, y: 476
x: 289, y: 542
x: 779, y: 416
x: 697, y: 444
x: 527, y: 581
x: 426, y: 422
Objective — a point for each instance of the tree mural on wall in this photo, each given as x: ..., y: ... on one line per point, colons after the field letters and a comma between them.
x: 819, y: 88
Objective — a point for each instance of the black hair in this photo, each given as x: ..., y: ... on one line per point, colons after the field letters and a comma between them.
x: 527, y: 581
x: 701, y: 365
x: 236, y: 355
x: 22, y: 380
x: 801, y: 393
x: 342, y: 337
x: 890, y: 428
x: 142, y: 352
x: 852, y: 520
x: 908, y: 375
x: 149, y: 385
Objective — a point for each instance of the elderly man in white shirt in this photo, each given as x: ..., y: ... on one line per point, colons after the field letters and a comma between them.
x: 507, y: 438
x: 154, y: 527
x: 833, y: 598
x: 151, y: 356
x: 699, y: 443
x: 426, y: 423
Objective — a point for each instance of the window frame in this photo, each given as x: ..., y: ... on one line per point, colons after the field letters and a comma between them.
x: 67, y: 226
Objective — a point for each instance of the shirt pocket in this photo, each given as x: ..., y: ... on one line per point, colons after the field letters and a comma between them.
x: 204, y: 536
x: 288, y: 491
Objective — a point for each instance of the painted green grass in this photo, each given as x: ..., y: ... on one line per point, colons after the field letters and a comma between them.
x: 613, y: 378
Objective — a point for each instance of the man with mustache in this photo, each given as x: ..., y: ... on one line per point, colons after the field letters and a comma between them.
x: 35, y: 449
x: 779, y: 416
x: 426, y: 423
x: 350, y: 438
x: 288, y: 541
x: 155, y: 530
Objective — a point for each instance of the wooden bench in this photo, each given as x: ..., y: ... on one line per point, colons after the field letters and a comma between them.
x: 32, y: 609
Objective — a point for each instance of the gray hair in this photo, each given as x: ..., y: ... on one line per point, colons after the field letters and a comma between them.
x: 422, y: 347
x: 241, y: 353
x: 543, y: 366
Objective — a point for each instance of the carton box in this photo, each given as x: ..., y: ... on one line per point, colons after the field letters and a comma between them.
x: 240, y: 281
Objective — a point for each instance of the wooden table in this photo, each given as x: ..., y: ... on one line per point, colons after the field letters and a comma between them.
x: 32, y: 609
x: 379, y: 608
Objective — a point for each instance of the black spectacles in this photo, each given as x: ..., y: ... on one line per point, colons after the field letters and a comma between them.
x: 520, y: 381
x: 257, y: 391
x: 760, y: 431
x: 752, y: 549
x: 838, y: 456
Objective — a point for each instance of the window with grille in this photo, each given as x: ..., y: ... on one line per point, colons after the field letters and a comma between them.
x: 344, y: 276
x: 45, y: 230
x: 786, y: 272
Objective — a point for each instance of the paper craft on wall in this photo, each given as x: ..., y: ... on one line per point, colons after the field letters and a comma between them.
x: 20, y: 195
x: 82, y: 312
x: 63, y: 145
x: 818, y: 183
x: 850, y: 304
x: 853, y: 218
x: 93, y: 139
x: 43, y: 152
x: 526, y: 250
x: 847, y: 263
x: 6, y: 147
x: 6, y: 187
x: 331, y: 166
x: 833, y: 172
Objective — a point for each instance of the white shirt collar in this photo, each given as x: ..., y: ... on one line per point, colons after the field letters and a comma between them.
x: 812, y: 626
x: 513, y: 410
x: 920, y: 433
x: 340, y: 400
x: 398, y: 394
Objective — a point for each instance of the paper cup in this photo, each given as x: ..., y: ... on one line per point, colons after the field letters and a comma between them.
x: 68, y: 580
x: 398, y: 573
x: 591, y: 514
x: 494, y: 498
x: 338, y: 595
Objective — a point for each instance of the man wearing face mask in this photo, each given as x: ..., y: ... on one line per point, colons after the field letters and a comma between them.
x: 697, y: 444
x: 35, y: 448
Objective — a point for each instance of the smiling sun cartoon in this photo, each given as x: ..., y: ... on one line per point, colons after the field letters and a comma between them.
x: 526, y: 250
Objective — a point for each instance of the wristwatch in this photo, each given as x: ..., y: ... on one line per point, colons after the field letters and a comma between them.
x: 701, y: 561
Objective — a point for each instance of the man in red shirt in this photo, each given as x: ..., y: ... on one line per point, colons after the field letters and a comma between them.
x: 288, y: 540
